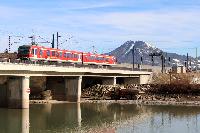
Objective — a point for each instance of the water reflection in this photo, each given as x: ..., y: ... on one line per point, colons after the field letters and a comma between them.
x: 55, y: 117
x: 14, y: 121
x: 90, y: 117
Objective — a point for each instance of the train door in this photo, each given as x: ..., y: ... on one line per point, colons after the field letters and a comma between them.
x: 80, y: 55
x: 35, y: 52
x: 60, y: 55
x: 64, y: 56
x: 107, y: 60
x: 48, y: 54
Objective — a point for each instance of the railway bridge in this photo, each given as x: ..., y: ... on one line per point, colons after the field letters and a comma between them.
x: 18, y: 80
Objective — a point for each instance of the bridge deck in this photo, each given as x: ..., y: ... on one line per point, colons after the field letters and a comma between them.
x: 7, y: 68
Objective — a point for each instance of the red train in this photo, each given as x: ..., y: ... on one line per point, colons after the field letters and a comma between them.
x: 35, y: 52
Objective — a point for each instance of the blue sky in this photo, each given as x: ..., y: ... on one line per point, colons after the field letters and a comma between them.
x: 172, y: 25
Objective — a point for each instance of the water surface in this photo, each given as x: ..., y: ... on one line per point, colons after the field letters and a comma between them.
x: 96, y: 117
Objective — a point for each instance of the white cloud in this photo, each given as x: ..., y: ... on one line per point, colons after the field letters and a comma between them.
x: 155, y: 25
x: 151, y: 21
x: 161, y: 26
x: 9, y: 13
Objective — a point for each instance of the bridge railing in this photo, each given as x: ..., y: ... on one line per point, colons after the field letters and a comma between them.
x: 67, y: 64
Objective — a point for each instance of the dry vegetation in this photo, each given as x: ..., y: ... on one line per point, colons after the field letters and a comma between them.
x: 185, y: 78
x: 188, y: 83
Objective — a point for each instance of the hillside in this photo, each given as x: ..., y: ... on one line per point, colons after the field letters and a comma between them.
x: 143, y: 49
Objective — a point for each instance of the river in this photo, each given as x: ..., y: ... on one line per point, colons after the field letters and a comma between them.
x: 100, y: 117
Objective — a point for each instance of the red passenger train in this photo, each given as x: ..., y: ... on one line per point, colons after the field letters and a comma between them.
x: 40, y: 53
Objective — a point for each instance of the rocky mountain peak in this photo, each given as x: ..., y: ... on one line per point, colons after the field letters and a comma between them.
x: 142, y: 51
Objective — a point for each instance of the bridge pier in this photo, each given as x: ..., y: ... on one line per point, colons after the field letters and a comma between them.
x: 73, y: 88
x: 3, y: 91
x: 18, y: 92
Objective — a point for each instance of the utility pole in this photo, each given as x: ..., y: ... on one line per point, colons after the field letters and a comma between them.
x: 152, y: 60
x: 93, y: 49
x: 169, y: 61
x: 53, y: 42
x: 9, y: 43
x: 133, y: 54
x: 13, y: 42
x: 32, y: 40
x: 163, y: 63
x: 162, y: 59
x: 141, y: 63
x: 196, y: 60
x: 187, y: 61
x: 57, y: 40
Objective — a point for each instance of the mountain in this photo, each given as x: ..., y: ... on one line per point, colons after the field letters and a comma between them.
x: 142, y: 50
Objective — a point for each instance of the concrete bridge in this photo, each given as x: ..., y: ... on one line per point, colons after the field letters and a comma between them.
x: 17, y: 80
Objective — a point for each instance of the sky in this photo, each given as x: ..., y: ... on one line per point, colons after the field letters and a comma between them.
x: 172, y: 25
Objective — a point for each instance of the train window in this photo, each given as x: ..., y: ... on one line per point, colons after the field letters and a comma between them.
x: 53, y: 53
x: 35, y: 51
x: 75, y: 56
x: 48, y: 53
x: 68, y: 55
x: 81, y: 56
x: 57, y: 54
x: 99, y: 58
x: 60, y: 54
x: 65, y: 55
x: 41, y: 52
x: 107, y: 59
x: 92, y: 57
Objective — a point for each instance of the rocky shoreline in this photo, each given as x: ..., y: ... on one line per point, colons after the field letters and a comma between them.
x: 155, y: 94
x: 138, y: 102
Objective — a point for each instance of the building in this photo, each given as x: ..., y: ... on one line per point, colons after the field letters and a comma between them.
x: 178, y: 69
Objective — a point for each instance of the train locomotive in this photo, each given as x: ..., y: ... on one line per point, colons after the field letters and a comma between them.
x: 40, y: 53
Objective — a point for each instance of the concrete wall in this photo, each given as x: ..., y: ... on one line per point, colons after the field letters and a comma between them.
x: 65, y: 88
x: 57, y: 86
x: 145, y: 79
x: 3, y: 91
x: 73, y: 88
x: 155, y: 69
x: 37, y: 84
x: 18, y: 92
x: 132, y: 80
x: 39, y: 70
x: 90, y: 81
x: 108, y: 80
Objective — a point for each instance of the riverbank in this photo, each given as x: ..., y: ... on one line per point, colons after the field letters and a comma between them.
x: 138, y: 102
x: 165, y: 89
